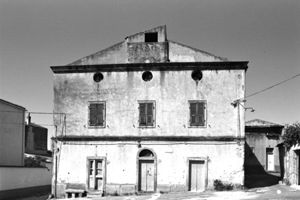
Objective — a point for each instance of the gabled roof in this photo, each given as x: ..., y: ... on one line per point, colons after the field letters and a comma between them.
x: 177, y: 52
x: 12, y: 104
x: 258, y: 123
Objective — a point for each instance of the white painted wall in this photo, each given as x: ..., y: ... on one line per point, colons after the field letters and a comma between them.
x: 225, y: 161
x: 23, y: 177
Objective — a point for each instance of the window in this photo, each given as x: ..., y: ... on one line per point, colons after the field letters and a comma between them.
x: 151, y: 37
x: 197, y: 113
x: 147, y: 76
x: 98, y: 77
x: 147, y: 114
x: 197, y: 75
x: 40, y: 141
x: 97, y: 114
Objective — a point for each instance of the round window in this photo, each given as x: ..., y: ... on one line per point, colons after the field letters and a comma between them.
x: 98, y: 77
x: 197, y: 75
x: 147, y: 76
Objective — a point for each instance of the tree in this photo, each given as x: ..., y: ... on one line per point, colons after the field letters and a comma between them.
x: 291, y: 135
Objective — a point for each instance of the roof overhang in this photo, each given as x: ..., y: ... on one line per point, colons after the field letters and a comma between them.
x: 170, y: 66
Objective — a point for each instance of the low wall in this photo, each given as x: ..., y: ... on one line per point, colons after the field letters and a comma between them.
x: 16, y: 180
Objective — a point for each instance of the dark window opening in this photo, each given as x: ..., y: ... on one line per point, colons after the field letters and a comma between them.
x: 147, y: 76
x: 151, y: 37
x: 97, y: 114
x: 146, y: 153
x: 197, y: 75
x: 98, y: 77
x: 40, y: 141
x: 197, y: 113
x: 146, y: 118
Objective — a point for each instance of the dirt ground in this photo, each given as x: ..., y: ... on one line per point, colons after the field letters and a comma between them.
x: 275, y: 192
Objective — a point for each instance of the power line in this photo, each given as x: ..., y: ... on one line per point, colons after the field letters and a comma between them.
x: 234, y: 103
x: 279, y: 83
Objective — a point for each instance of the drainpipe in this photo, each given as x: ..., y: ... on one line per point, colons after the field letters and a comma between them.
x: 55, y: 177
x: 239, y: 120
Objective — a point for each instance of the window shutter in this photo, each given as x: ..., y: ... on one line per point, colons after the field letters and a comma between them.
x: 93, y: 118
x: 150, y: 108
x: 201, y: 113
x: 96, y: 114
x: 146, y: 111
x: 143, y: 120
x: 197, y: 113
x: 193, y: 110
x: 100, y: 109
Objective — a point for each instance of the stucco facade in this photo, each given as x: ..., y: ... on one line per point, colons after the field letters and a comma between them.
x: 171, y: 149
x: 12, y: 134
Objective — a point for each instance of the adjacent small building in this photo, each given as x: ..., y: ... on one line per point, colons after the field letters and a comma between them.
x: 12, y: 134
x: 264, y: 153
x: 292, y: 165
x: 16, y: 178
x: 36, y: 139
x: 148, y: 114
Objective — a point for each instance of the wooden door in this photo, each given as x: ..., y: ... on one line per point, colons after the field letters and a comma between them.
x: 197, y: 176
x: 146, y: 176
x: 95, y: 174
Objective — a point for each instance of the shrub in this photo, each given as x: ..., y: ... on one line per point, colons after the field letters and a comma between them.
x: 291, y: 135
x: 220, y: 186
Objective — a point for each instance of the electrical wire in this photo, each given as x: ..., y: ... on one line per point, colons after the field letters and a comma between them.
x: 279, y: 83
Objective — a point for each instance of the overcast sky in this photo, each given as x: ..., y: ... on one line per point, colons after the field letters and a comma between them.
x: 35, y: 35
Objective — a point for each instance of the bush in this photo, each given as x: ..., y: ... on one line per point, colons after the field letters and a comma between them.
x: 220, y: 186
x: 33, y: 162
x: 291, y: 135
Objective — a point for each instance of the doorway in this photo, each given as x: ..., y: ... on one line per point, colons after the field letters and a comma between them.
x: 197, y: 175
x: 146, y: 171
x: 96, y: 173
x: 270, y: 159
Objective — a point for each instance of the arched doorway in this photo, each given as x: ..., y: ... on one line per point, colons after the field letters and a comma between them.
x: 146, y: 160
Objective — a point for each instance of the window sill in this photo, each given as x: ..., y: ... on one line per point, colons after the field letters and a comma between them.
x: 145, y: 127
x: 197, y: 126
x: 96, y: 127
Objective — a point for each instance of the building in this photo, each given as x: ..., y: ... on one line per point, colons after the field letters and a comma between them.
x: 12, y: 132
x: 36, y: 139
x: 292, y: 165
x: 148, y: 114
x: 292, y: 154
x: 264, y: 153
x: 16, y: 178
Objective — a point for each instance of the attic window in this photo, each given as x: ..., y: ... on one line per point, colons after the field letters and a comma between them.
x: 197, y: 75
x: 151, y: 37
x: 147, y: 76
x: 98, y: 77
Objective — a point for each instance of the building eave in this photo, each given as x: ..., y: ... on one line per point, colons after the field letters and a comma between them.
x: 146, y: 138
x: 13, y: 105
x: 170, y: 66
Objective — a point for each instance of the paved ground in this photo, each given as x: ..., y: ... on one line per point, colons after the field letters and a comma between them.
x: 276, y: 192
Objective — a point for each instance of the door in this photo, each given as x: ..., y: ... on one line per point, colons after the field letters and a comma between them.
x: 270, y: 159
x: 95, y: 179
x: 197, y: 175
x: 146, y: 175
